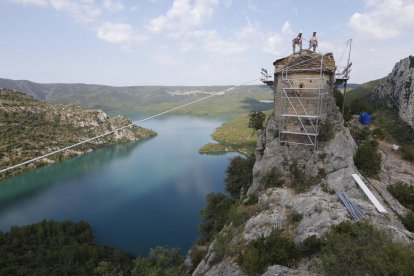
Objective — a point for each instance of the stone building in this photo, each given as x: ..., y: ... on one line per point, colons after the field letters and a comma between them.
x: 303, y: 86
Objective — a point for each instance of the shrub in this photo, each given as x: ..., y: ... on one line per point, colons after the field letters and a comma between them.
x: 214, y: 214
x: 161, y: 261
x: 239, y: 214
x: 326, y: 130
x: 197, y: 254
x: 239, y: 175
x: 367, y: 159
x: 407, y: 151
x: 408, y: 221
x: 311, y: 245
x: 295, y: 217
x: 378, y: 133
x: 256, y: 119
x: 361, y: 249
x: 404, y: 193
x: 253, y: 199
x: 361, y: 135
x: 272, y: 179
x: 277, y: 248
x: 299, y: 183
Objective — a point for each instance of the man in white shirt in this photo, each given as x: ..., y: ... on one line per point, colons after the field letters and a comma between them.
x: 313, y: 42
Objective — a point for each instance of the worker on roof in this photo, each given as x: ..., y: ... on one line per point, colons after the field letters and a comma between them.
x: 313, y: 42
x: 297, y: 41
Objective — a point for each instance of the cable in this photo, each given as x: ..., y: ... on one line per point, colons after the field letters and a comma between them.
x: 124, y: 127
x: 381, y: 84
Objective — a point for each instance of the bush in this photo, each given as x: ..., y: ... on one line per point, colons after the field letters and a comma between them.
x: 311, y: 245
x: 253, y: 199
x: 408, y: 221
x: 361, y: 249
x: 299, y: 183
x: 295, y: 217
x: 161, y: 261
x: 239, y: 175
x: 326, y: 131
x: 378, y: 133
x: 256, y: 119
x: 57, y: 248
x: 214, y: 214
x: 263, y: 252
x: 272, y: 179
x: 407, y: 151
x: 367, y: 159
x: 361, y: 135
x: 404, y: 193
x: 239, y: 214
x: 197, y: 254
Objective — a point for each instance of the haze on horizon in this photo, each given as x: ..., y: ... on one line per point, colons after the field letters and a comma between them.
x: 193, y: 42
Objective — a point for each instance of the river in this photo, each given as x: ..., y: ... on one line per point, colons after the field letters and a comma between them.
x: 135, y: 195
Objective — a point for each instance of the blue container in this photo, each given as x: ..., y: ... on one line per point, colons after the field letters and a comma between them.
x: 364, y: 118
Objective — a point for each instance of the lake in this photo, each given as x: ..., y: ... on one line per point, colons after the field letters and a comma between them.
x: 135, y: 195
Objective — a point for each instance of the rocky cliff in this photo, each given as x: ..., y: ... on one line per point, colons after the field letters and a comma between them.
x: 326, y: 171
x: 397, y: 89
x: 30, y: 128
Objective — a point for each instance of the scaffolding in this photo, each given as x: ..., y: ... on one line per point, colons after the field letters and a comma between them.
x: 301, y: 106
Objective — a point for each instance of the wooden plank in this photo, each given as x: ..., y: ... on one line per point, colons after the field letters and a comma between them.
x: 369, y: 194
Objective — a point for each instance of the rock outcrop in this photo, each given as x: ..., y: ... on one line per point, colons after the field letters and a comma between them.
x: 398, y: 89
x: 329, y: 169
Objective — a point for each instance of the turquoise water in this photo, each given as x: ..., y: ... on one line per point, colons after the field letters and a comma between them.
x: 134, y: 195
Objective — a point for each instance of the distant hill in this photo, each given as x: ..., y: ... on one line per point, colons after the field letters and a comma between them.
x: 31, y: 128
x: 148, y: 99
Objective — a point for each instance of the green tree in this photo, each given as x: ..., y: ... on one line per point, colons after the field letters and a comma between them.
x: 161, y: 261
x: 239, y: 175
x: 368, y: 159
x: 214, y: 214
x: 256, y: 119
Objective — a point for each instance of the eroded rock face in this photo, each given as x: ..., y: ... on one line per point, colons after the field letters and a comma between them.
x: 397, y: 89
x: 330, y: 170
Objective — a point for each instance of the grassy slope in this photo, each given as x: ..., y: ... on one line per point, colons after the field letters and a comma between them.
x: 233, y: 135
x: 361, y: 91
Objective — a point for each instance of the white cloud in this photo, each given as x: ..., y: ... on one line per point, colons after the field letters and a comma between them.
x: 287, y: 29
x: 210, y: 41
x: 276, y: 43
x: 387, y: 18
x: 183, y: 15
x: 119, y: 33
x: 80, y: 10
x: 42, y: 3
x: 113, y: 5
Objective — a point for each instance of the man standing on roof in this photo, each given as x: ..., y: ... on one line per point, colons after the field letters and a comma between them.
x: 297, y: 41
x: 313, y: 42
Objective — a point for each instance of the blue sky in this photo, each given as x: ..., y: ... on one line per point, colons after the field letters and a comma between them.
x: 193, y: 42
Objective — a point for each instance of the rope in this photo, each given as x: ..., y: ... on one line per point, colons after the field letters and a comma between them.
x: 222, y: 92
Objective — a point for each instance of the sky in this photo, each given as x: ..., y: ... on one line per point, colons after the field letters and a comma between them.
x: 194, y: 42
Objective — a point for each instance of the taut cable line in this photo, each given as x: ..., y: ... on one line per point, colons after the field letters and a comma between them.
x: 222, y: 92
